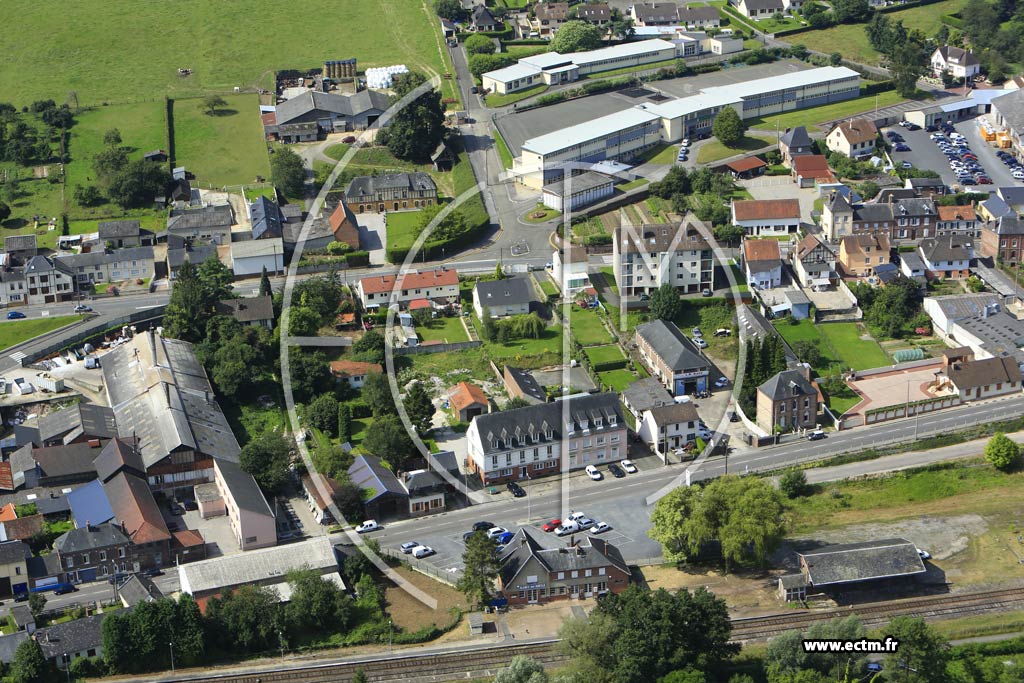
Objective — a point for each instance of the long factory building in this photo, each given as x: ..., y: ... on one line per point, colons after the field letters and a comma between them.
x: 624, y: 134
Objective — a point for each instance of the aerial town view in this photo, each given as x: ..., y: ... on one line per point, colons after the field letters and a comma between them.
x: 512, y: 341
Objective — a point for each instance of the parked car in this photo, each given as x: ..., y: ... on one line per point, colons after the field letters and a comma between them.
x: 700, y: 343
x: 482, y: 526
x: 643, y: 297
x: 20, y: 597
x: 594, y: 473
x: 515, y: 489
x: 902, y: 147
x: 628, y: 466
x: 474, y: 90
x: 422, y: 551
x: 733, y: 417
x: 367, y: 526
x: 874, y: 667
x: 722, y: 382
x: 567, y: 528
x: 349, y: 139
x: 496, y: 531
x: 575, y: 516
x: 190, y: 504
x: 82, y: 308
x: 505, y: 538
x: 409, y: 546
x: 64, y: 588
x: 551, y: 524
x: 923, y: 554
x: 600, y: 528
x: 155, y: 571
x: 585, y: 523
x: 906, y: 164
x: 696, y: 332
x: 816, y: 435
x: 15, y: 315
x: 723, y: 332
x: 616, y: 471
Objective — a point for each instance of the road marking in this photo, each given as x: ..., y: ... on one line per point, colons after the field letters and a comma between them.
x: 17, y: 356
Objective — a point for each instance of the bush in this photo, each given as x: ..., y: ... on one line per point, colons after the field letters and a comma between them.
x: 599, y: 239
x: 354, y: 259
x: 551, y: 98
x: 793, y: 483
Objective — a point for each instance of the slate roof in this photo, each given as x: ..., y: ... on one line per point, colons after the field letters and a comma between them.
x: 656, y: 12
x: 956, y: 55
x: 525, y: 383
x: 423, y: 481
x: 674, y: 413
x: 318, y: 229
x: 671, y: 345
x: 331, y: 103
x: 589, y: 553
x: 249, y: 309
x: 266, y: 219
x: 980, y: 373
x: 693, y: 15
x: 368, y: 472
x: 658, y: 238
x: 595, y: 12
x: 862, y: 561
x: 796, y: 137
x: 74, y: 421
x: 269, y: 246
x: 67, y: 461
x: 138, y: 588
x: 161, y: 394
x: 243, y: 488
x: 136, y: 509
x: 948, y: 248
x: 118, y: 229
x: 483, y: 17
x: 645, y: 394
x: 9, y: 645
x: 552, y: 11
x: 96, y: 258
x: 93, y: 537
x: 365, y: 188
x: 194, y: 255
x: 1010, y: 225
x: 787, y: 384
x: 13, y: 551
x: 19, y: 243
x: 218, y: 216
x: 77, y: 635
x: 510, y: 291
x: 764, y: 4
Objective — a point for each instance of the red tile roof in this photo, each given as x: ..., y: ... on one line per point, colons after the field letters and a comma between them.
x: 7, y: 513
x: 761, y: 250
x: 6, y: 477
x: 314, y: 490
x: 760, y: 209
x: 858, y: 130
x: 269, y: 119
x: 136, y: 509
x: 188, y: 538
x: 419, y: 303
x: 430, y: 278
x: 745, y: 164
x: 811, y: 164
x: 466, y: 394
x: 347, y: 368
x: 957, y: 213
x: 23, y: 528
x: 343, y: 225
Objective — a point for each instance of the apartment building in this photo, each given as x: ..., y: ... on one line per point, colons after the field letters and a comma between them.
x: 646, y: 257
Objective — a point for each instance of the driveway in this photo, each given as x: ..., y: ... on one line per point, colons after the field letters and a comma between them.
x: 373, y: 237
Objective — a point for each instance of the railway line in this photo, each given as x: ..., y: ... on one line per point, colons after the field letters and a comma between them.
x: 484, y: 660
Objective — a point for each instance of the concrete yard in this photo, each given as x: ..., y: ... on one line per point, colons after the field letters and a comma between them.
x: 895, y: 388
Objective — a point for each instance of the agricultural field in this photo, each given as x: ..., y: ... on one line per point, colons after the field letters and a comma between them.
x: 223, y: 148
x: 125, y: 51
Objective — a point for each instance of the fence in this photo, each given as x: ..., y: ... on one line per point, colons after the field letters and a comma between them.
x: 425, y: 568
x: 435, y: 348
x: 91, y: 331
x: 910, y: 410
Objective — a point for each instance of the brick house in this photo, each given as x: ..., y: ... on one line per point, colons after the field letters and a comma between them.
x: 788, y: 401
x: 1003, y: 239
x: 672, y: 357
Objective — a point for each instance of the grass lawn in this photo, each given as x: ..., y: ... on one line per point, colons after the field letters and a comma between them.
x: 540, y: 214
x: 226, y: 148
x: 520, y: 51
x: 591, y: 226
x: 852, y: 40
x: 605, y: 354
x: 548, y: 286
x: 660, y: 154
x: 444, y: 329
x: 122, y: 50
x: 504, y: 153
x: 631, y: 69
x: 828, y: 112
x: 587, y: 327
x: 249, y: 420
x: 403, y: 228
x: 637, y: 182
x: 617, y: 380
x: 18, y: 331
x: 410, y: 615
x: 840, y: 345
x: 496, y: 100
x: 547, y: 349
x: 716, y: 151
x: 609, y: 277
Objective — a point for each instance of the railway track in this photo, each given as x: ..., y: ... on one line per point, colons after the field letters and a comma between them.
x: 482, y: 661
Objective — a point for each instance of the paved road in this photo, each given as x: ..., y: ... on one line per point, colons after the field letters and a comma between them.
x: 96, y: 591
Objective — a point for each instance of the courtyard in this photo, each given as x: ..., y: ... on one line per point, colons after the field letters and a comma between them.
x: 895, y: 387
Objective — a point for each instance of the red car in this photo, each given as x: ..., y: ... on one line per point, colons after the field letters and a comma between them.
x: 552, y: 525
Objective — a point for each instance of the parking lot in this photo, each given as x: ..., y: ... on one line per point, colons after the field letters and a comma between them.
x: 925, y: 154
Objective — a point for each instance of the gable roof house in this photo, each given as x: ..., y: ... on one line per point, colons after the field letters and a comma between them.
x: 48, y: 281
x: 762, y: 263
x: 788, y: 401
x: 947, y: 257
x: 814, y: 263
x: 253, y: 310
x: 440, y: 285
x: 795, y: 142
x: 974, y: 380
x: 959, y: 63
x: 521, y: 384
x: 392, y: 192
x: 384, y: 495
x: 758, y: 9
x: 549, y: 17
x: 21, y: 247
x: 251, y: 517
x: 266, y: 219
x: 672, y: 357
x: 344, y: 225
x: 468, y: 400
x: 120, y: 234
x: 809, y: 169
x: 1003, y: 239
x: 957, y: 220
x: 65, y: 465
x: 655, y: 14
x: 701, y: 16
x: 75, y: 424
x: 597, y: 13
x: 354, y: 371
x: 855, y: 138
x: 482, y: 20
x: 859, y: 254
x: 207, y: 224
x: 426, y: 492
x: 772, y: 217
x: 643, y: 395
x: 501, y: 298
x: 668, y: 427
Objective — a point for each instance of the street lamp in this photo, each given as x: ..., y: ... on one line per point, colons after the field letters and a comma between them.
x: 67, y: 666
x: 172, y: 655
x: 390, y: 641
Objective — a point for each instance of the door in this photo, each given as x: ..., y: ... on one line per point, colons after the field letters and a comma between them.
x: 87, y: 575
x: 523, y: 472
x: 531, y: 595
x: 5, y: 587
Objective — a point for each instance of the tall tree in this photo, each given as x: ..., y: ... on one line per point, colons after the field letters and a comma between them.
x: 138, y: 182
x: 31, y: 666
x: 322, y: 413
x: 186, y: 313
x: 370, y: 347
x: 310, y: 374
x: 908, y: 62
x: 419, y: 408
x: 418, y: 127
x: 576, y: 36
x: 288, y: 173
x: 452, y: 10
x: 390, y: 441
x: 377, y: 393
x: 1002, y: 452
x: 344, y: 423
x: 112, y: 138
x: 728, y: 127
x: 265, y: 288
x: 522, y: 670
x: 316, y: 603
x: 266, y: 458
x: 851, y: 11
x: 211, y: 103
x: 665, y: 303
x: 245, y: 619
x: 218, y: 281
x: 480, y: 569
x: 189, y: 641
x: 922, y: 654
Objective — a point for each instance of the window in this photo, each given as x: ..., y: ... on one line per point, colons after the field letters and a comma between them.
x: 17, y: 570
x: 561, y: 575
x: 249, y: 539
x: 600, y: 572
x: 588, y: 572
x: 575, y: 574
x: 103, y: 556
x: 85, y: 558
x: 71, y: 562
x: 120, y: 552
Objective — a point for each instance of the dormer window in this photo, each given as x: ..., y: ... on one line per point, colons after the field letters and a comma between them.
x: 598, y: 423
x: 612, y: 420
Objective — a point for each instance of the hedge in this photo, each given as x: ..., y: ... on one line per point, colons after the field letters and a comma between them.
x: 609, y: 365
x: 953, y: 20
x: 524, y: 43
x: 355, y: 259
x: 433, y: 249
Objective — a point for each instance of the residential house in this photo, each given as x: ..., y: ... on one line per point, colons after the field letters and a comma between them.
x: 762, y: 263
x: 137, y: 589
x: 21, y: 528
x: 253, y: 310
x: 21, y: 248
x: 502, y: 298
x: 654, y: 14
x: 912, y: 266
x: 859, y: 254
x: 448, y: 28
x: 468, y: 400
x: 1013, y: 196
x: 64, y: 642
x: 320, y: 491
x: 569, y: 269
x: 60, y: 466
x: 354, y: 371
x: 788, y: 401
x: 384, y: 495
x: 766, y: 217
x: 13, y: 291
x: 107, y: 267
x: 597, y: 13
x: 13, y: 568
x: 955, y: 61
x: 249, y: 515
x: 119, y: 234
x: 643, y: 395
x: 926, y: 187
x: 809, y: 169
x: 252, y: 256
x: 647, y: 256
x: 759, y: 9
x: 319, y: 236
x: 973, y: 380
x: 483, y: 20
x: 48, y: 281
x: 897, y: 219
x: 1003, y: 239
x: 140, y: 519
x: 699, y: 17
x: 527, y: 442
x: 195, y: 255
x: 1008, y: 113
x: 854, y: 138
x: 344, y: 226
x: 672, y: 357
x: 370, y: 194
x: 266, y: 219
x: 207, y: 224
x: 305, y: 117
x: 947, y: 257
x: 532, y: 574
x: 93, y: 552
x: 795, y: 142
x: 440, y: 285
x: 426, y: 492
x: 669, y: 427
x: 577, y: 191
x: 23, y: 619
x: 521, y: 384
x: 549, y: 17
x: 957, y: 220
x: 814, y: 263
x: 913, y: 218
x: 746, y: 167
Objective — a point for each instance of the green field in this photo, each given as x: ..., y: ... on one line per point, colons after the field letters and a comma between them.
x: 605, y: 354
x: 540, y: 214
x: 828, y: 112
x: 226, y: 148
x: 587, y: 327
x: 659, y: 154
x: 403, y: 227
x: 852, y: 41
x: 504, y: 153
x: 496, y: 100
x: 548, y: 286
x: 839, y: 343
x: 448, y: 330
x: 617, y: 380
x: 18, y: 331
x: 122, y: 50
x: 636, y: 182
x: 714, y: 150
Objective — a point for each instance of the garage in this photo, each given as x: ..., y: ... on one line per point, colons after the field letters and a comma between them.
x: 5, y: 587
x: 86, y: 575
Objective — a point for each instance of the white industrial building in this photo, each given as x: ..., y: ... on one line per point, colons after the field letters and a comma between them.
x: 578, y: 190
x: 626, y: 133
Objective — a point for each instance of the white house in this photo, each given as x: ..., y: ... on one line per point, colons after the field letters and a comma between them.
x: 668, y: 427
x: 648, y: 256
x: 569, y: 267
x: 767, y: 216
x: 947, y: 257
x: 762, y: 263
x: 854, y: 138
x: 510, y: 296
x: 958, y: 62
x: 252, y: 256
x: 440, y: 285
